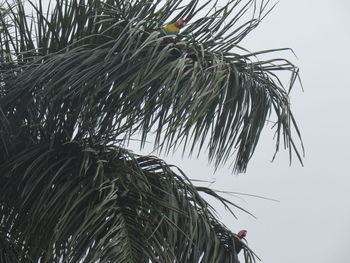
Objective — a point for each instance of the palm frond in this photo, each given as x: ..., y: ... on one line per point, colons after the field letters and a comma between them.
x: 78, y: 76
x: 74, y: 203
x: 103, y: 70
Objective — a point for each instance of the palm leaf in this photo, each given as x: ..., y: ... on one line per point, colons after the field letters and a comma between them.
x: 80, y: 77
x: 74, y: 203
x: 108, y: 72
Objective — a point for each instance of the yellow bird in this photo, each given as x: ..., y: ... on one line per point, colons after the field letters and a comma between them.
x: 174, y: 28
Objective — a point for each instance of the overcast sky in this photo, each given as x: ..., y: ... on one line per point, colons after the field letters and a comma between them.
x: 311, y: 221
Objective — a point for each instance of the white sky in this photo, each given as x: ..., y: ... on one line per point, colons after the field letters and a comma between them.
x: 311, y: 221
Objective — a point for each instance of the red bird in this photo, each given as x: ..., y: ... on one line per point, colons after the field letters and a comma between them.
x: 238, y: 242
x: 241, y: 234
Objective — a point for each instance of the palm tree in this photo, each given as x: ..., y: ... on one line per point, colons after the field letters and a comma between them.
x: 81, y: 77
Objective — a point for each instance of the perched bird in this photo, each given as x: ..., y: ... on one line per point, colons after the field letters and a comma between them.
x: 238, y: 243
x: 241, y: 234
x: 174, y: 28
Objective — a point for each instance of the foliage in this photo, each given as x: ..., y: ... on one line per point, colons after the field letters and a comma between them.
x: 75, y: 204
x: 108, y: 72
x: 84, y: 75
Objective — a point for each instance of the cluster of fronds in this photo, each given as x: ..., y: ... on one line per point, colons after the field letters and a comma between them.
x: 83, y: 204
x: 77, y: 77
x: 102, y: 69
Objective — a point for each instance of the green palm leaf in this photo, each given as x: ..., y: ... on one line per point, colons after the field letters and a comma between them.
x: 80, y: 77
x: 108, y: 72
x: 84, y: 205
